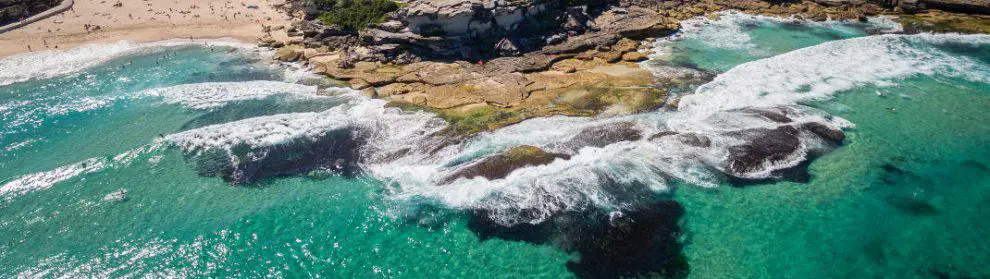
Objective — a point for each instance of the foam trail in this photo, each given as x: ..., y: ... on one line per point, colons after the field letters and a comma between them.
x: 52, y: 63
x: 217, y: 94
x: 43, y: 180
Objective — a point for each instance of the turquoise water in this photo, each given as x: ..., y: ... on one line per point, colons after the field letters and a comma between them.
x: 734, y: 38
x: 112, y: 171
x: 904, y: 198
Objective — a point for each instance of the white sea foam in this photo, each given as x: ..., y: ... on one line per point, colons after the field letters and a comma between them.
x: 384, y: 128
x: 216, y: 94
x: 52, y: 63
x: 727, y: 30
x: 819, y: 72
x: 43, y: 180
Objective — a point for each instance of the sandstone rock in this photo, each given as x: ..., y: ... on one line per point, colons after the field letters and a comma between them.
x: 600, y: 136
x: 634, y: 57
x: 525, y: 64
x: 625, y: 45
x: 582, y: 43
x: 289, y: 54
x: 378, y: 78
x: 502, y: 90
x: 325, y: 64
x: 449, y: 96
x: 501, y: 165
x: 610, y: 57
x: 835, y: 3
x: 395, y: 89
x: 359, y: 84
x: 964, y: 6
x: 435, y: 73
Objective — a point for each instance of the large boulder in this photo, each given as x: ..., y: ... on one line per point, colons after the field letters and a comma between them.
x: 762, y: 147
x: 334, y: 151
x: 600, y: 136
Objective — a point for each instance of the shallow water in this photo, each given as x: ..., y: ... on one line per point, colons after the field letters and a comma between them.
x: 190, y: 160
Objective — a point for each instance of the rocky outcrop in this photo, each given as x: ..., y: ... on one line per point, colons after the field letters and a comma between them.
x: 643, y: 241
x: 501, y: 165
x: 600, y: 136
x: 483, y: 64
x: 513, y: 88
x: 335, y: 151
x: 962, y: 6
x: 14, y: 10
x: 762, y: 147
x: 760, y: 150
x: 475, y: 30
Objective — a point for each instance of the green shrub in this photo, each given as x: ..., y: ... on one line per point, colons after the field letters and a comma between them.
x: 356, y: 14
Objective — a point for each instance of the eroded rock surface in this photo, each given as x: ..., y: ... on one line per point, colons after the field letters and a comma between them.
x: 501, y: 165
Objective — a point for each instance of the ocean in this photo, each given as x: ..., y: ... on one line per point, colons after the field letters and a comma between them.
x: 205, y: 159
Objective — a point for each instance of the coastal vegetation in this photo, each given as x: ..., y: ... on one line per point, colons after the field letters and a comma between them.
x: 355, y: 14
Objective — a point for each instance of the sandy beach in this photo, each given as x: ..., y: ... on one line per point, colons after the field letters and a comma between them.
x: 100, y: 21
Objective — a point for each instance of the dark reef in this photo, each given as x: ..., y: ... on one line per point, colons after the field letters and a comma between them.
x: 640, y: 242
x: 335, y: 151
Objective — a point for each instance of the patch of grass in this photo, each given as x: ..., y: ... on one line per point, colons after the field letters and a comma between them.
x: 356, y: 14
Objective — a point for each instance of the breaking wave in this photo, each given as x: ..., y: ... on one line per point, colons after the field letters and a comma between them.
x: 43, y: 180
x: 821, y: 71
x: 217, y: 94
x: 748, y: 124
x: 727, y: 30
x: 52, y: 63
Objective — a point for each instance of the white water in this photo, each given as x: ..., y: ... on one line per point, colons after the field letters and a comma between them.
x: 384, y: 127
x: 211, y: 95
x: 52, y: 63
x: 43, y: 180
x: 725, y: 30
x: 821, y: 71
x: 401, y: 149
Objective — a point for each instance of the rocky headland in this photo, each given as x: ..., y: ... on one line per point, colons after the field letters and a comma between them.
x: 484, y: 64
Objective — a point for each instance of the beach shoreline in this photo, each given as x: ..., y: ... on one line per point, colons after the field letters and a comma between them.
x: 96, y: 21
